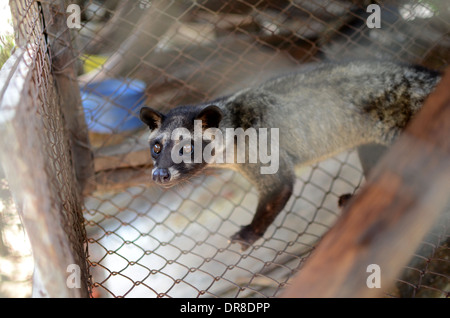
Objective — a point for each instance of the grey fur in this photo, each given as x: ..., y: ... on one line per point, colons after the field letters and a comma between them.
x: 319, y: 112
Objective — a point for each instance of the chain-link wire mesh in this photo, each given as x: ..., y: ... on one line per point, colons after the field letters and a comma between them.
x: 36, y: 155
x: 149, y: 242
x: 144, y: 241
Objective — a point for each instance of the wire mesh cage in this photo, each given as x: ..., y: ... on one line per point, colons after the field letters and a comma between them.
x: 39, y: 149
x: 96, y: 63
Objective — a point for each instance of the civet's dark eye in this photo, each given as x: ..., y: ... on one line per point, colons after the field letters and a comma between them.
x: 187, y: 149
x: 157, y: 148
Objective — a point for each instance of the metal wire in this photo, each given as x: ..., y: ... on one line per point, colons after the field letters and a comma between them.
x: 146, y: 242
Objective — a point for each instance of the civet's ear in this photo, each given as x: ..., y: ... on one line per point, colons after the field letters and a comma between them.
x: 151, y: 117
x: 210, y: 116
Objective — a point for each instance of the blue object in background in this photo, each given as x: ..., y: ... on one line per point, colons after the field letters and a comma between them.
x: 112, y: 106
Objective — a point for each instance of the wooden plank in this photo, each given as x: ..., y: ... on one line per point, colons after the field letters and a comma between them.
x: 386, y: 221
x: 64, y: 70
x: 133, y: 159
x: 27, y: 167
x: 132, y: 152
x: 119, y: 179
x: 123, y: 165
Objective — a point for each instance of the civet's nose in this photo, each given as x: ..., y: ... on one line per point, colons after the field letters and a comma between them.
x: 161, y: 175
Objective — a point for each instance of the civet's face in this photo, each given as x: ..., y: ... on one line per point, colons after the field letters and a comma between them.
x: 164, y: 148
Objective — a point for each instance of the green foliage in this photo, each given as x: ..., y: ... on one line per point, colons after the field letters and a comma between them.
x: 6, y: 46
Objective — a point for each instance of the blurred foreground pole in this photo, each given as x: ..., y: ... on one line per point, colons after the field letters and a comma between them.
x: 63, y: 62
x: 36, y: 148
x: 384, y: 224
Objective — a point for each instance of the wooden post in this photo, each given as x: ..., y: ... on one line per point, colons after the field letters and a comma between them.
x: 63, y: 61
x: 37, y: 158
x: 54, y: 227
x: 386, y: 221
